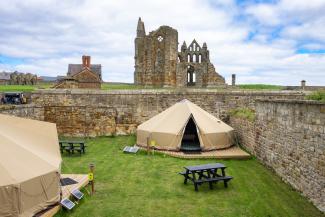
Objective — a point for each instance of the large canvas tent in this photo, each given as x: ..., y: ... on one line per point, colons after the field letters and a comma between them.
x: 29, y: 166
x: 182, y: 125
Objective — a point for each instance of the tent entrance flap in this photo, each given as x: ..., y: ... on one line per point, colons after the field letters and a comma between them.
x: 190, y: 140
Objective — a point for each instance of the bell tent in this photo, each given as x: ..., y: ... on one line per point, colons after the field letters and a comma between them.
x: 185, y: 126
x: 29, y: 166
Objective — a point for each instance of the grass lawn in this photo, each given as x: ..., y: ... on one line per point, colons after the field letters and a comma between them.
x: 141, y: 185
x: 260, y: 87
x: 127, y: 86
x: 24, y: 88
x: 317, y: 95
x: 119, y: 86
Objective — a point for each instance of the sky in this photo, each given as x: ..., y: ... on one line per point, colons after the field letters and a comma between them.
x: 270, y: 42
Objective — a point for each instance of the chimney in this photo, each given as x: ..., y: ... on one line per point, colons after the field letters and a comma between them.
x: 303, y: 84
x: 233, y: 79
x: 85, y: 61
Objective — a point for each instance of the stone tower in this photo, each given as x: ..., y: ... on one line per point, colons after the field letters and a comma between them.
x: 155, y: 56
x: 158, y: 62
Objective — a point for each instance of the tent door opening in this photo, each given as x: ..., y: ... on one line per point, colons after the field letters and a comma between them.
x: 190, y: 140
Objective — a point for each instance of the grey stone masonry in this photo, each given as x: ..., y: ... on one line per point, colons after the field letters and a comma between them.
x: 289, y: 137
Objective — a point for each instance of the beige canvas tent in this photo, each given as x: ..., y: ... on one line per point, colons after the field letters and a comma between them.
x: 29, y: 166
x: 185, y: 126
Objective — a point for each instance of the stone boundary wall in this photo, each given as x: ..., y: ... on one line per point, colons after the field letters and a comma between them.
x: 289, y: 137
x: 100, y: 113
x: 246, y: 132
x: 79, y: 112
x: 307, y: 88
x: 25, y: 111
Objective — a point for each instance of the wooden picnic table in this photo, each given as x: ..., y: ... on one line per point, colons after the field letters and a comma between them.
x: 200, y: 174
x: 72, y: 146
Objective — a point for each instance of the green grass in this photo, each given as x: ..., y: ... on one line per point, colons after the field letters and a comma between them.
x: 142, y: 185
x: 245, y: 113
x: 260, y: 87
x: 125, y: 86
x: 317, y: 95
x: 24, y: 88
x: 119, y: 86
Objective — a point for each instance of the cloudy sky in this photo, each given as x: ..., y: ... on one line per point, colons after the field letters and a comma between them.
x: 273, y: 42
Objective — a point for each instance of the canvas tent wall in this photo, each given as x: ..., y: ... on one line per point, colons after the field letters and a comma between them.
x: 167, y: 128
x: 29, y: 166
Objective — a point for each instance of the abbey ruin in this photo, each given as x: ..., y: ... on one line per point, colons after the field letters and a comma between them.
x: 159, y: 63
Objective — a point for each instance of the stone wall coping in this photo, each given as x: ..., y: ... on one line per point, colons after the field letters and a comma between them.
x: 10, y: 106
x: 291, y: 101
x: 167, y: 91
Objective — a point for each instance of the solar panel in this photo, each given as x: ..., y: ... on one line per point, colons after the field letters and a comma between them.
x: 131, y: 149
x: 77, y: 194
x: 68, y: 204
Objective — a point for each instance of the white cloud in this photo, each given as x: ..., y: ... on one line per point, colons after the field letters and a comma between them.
x: 265, y: 13
x: 48, y: 35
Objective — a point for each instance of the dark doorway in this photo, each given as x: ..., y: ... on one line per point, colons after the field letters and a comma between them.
x: 190, y: 140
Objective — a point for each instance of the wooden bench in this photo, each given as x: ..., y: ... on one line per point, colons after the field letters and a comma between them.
x: 200, y: 174
x: 212, y: 180
x: 71, y: 146
x: 186, y: 177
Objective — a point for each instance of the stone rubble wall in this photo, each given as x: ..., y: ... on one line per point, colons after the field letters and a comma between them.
x: 100, y: 113
x: 289, y: 137
x: 25, y: 111
x: 127, y: 109
x: 245, y: 133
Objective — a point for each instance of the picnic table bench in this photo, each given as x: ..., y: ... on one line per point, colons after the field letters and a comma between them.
x: 72, y: 146
x: 206, y: 173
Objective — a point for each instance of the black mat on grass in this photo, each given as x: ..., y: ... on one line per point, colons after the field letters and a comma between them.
x: 67, y: 181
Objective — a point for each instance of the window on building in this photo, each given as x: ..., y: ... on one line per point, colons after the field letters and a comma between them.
x: 160, y: 38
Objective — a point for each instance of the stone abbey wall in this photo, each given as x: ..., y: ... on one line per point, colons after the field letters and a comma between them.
x: 289, y: 137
